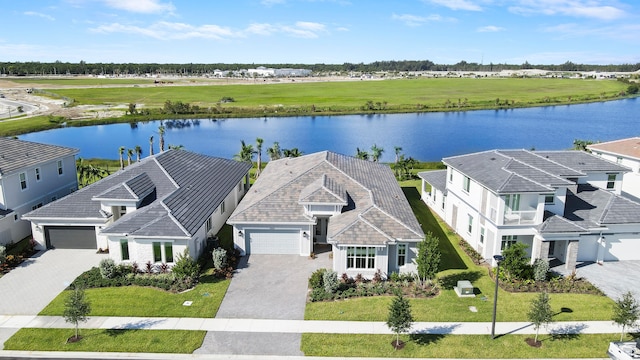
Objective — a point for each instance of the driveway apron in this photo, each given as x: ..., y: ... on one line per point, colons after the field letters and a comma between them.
x: 27, y: 289
x: 265, y: 287
x: 614, y: 278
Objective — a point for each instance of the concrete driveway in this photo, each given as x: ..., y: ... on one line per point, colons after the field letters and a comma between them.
x: 614, y: 278
x: 265, y: 287
x: 27, y: 289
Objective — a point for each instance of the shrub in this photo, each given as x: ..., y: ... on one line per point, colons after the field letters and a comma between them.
x: 540, y: 269
x: 219, y: 256
x: 3, y: 254
x: 516, y: 263
x: 108, y: 268
x: 186, y: 269
x: 377, y: 277
x: 316, y: 279
x: 330, y: 281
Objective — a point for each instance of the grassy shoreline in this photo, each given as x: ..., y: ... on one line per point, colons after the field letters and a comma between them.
x: 326, y: 99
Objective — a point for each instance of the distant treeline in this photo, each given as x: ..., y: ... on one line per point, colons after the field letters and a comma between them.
x: 83, y: 68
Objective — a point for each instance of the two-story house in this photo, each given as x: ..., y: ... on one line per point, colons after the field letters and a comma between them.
x: 31, y: 175
x: 563, y: 205
x: 149, y: 212
x: 625, y: 152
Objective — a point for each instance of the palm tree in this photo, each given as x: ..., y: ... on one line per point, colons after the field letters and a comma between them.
x: 259, y: 142
x: 376, y: 152
x: 151, y: 145
x: 129, y: 156
x: 176, y: 147
x: 246, y: 153
x: 274, y: 152
x: 138, y: 151
x: 121, y: 152
x: 398, y: 150
x: 161, y: 132
x: 361, y: 154
x: 294, y: 152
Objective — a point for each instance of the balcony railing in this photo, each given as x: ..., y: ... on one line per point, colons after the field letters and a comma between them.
x: 524, y: 217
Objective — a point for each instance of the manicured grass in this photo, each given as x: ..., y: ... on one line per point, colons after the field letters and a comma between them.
x: 21, y: 126
x: 103, y: 340
x: 457, y: 346
x: 150, y: 302
x: 456, y: 265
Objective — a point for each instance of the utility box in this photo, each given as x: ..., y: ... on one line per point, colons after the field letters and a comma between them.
x: 464, y: 289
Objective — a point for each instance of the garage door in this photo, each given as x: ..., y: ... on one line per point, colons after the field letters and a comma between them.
x: 622, y: 249
x: 70, y: 237
x: 273, y: 242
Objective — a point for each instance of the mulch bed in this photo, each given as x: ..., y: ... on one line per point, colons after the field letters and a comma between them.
x: 531, y: 342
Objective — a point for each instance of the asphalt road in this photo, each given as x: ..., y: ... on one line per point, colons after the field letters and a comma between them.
x: 9, y: 108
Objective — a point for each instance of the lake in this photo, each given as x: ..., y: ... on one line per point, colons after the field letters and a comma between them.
x: 423, y: 136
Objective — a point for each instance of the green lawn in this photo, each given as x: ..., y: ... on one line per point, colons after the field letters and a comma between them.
x: 457, y: 346
x: 150, y: 302
x: 456, y: 265
x: 102, y: 340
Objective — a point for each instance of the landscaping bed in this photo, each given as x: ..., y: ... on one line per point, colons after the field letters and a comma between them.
x: 16, y: 253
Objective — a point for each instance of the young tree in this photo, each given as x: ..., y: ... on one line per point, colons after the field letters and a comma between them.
x: 626, y: 312
x: 540, y: 312
x: 428, y: 259
x: 515, y: 263
x: 400, y: 319
x: 361, y: 154
x: 161, y: 132
x: 151, y: 145
x: 129, y: 156
x: 138, y: 151
x: 376, y: 152
x: 274, y: 152
x: 259, y: 142
x: 246, y: 153
x: 121, y: 153
x: 76, y: 308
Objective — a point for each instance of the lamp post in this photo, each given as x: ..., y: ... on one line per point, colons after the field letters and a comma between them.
x: 498, y: 259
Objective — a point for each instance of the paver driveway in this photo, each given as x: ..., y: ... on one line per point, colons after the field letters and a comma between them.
x: 27, y: 289
x: 265, y: 287
x: 614, y: 278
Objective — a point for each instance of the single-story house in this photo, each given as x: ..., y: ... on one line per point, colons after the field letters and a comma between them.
x: 151, y: 211
x: 355, y: 207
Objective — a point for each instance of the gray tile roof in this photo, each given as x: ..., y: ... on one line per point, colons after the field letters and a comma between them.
x: 589, y: 206
x: 18, y: 154
x: 374, y: 198
x: 582, y: 161
x: 554, y: 224
x: 538, y: 161
x: 183, y: 189
x: 324, y: 191
x: 437, y: 179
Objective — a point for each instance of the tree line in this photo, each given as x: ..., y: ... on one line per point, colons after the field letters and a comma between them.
x: 191, y: 69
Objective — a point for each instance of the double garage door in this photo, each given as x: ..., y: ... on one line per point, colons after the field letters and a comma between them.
x: 273, y: 242
x: 70, y: 237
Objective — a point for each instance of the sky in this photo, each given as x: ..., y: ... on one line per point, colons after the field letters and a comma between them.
x: 321, y: 31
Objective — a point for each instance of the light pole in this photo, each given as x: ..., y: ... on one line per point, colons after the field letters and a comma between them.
x: 498, y: 259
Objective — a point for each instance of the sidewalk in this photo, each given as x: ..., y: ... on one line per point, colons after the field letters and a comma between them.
x: 305, y: 326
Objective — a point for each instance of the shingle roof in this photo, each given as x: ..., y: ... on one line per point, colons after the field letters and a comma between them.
x: 582, y: 161
x: 627, y: 147
x: 437, y: 179
x: 182, y: 190
x: 374, y: 199
x: 18, y: 154
x: 593, y: 207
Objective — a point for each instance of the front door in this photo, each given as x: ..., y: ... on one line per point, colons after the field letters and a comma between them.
x: 552, y: 249
x: 320, y: 230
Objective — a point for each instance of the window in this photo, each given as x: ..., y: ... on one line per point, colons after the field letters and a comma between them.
x: 361, y: 257
x: 619, y: 160
x: 124, y: 249
x: 23, y: 181
x: 433, y: 194
x: 470, y: 226
x: 157, y: 252
x: 548, y: 199
x: 60, y: 172
x: 37, y: 174
x: 163, y: 250
x: 508, y: 240
x: 16, y: 217
x: 402, y: 254
x: 611, y: 181
x: 222, y: 207
x: 168, y: 252
x: 122, y: 211
x: 512, y: 202
x: 39, y: 205
x: 444, y: 197
x: 450, y: 175
x: 482, y: 235
x: 466, y: 183
x: 208, y: 225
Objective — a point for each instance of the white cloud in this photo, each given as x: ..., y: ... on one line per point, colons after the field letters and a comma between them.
x: 416, y: 20
x: 141, y: 6
x: 164, y: 30
x: 596, y: 9
x: 490, y: 28
x: 457, y: 4
x: 44, y: 16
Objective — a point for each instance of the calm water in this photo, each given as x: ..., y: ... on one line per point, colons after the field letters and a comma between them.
x: 426, y: 136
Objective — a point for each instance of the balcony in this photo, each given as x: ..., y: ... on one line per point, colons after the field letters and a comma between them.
x: 525, y: 217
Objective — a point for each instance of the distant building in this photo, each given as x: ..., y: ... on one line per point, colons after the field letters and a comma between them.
x: 625, y: 152
x: 262, y: 71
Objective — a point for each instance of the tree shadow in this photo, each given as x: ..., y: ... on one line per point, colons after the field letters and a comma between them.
x: 450, y: 281
x: 567, y: 332
x: 118, y: 332
x: 433, y: 334
x: 426, y: 339
x: 429, y: 223
x: 564, y: 310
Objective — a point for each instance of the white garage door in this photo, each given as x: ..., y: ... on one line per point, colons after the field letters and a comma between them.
x: 622, y: 249
x: 273, y: 242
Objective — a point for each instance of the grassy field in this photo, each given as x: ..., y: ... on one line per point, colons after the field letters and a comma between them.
x: 456, y: 265
x: 398, y: 94
x: 84, y: 81
x: 457, y: 346
x: 103, y: 340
